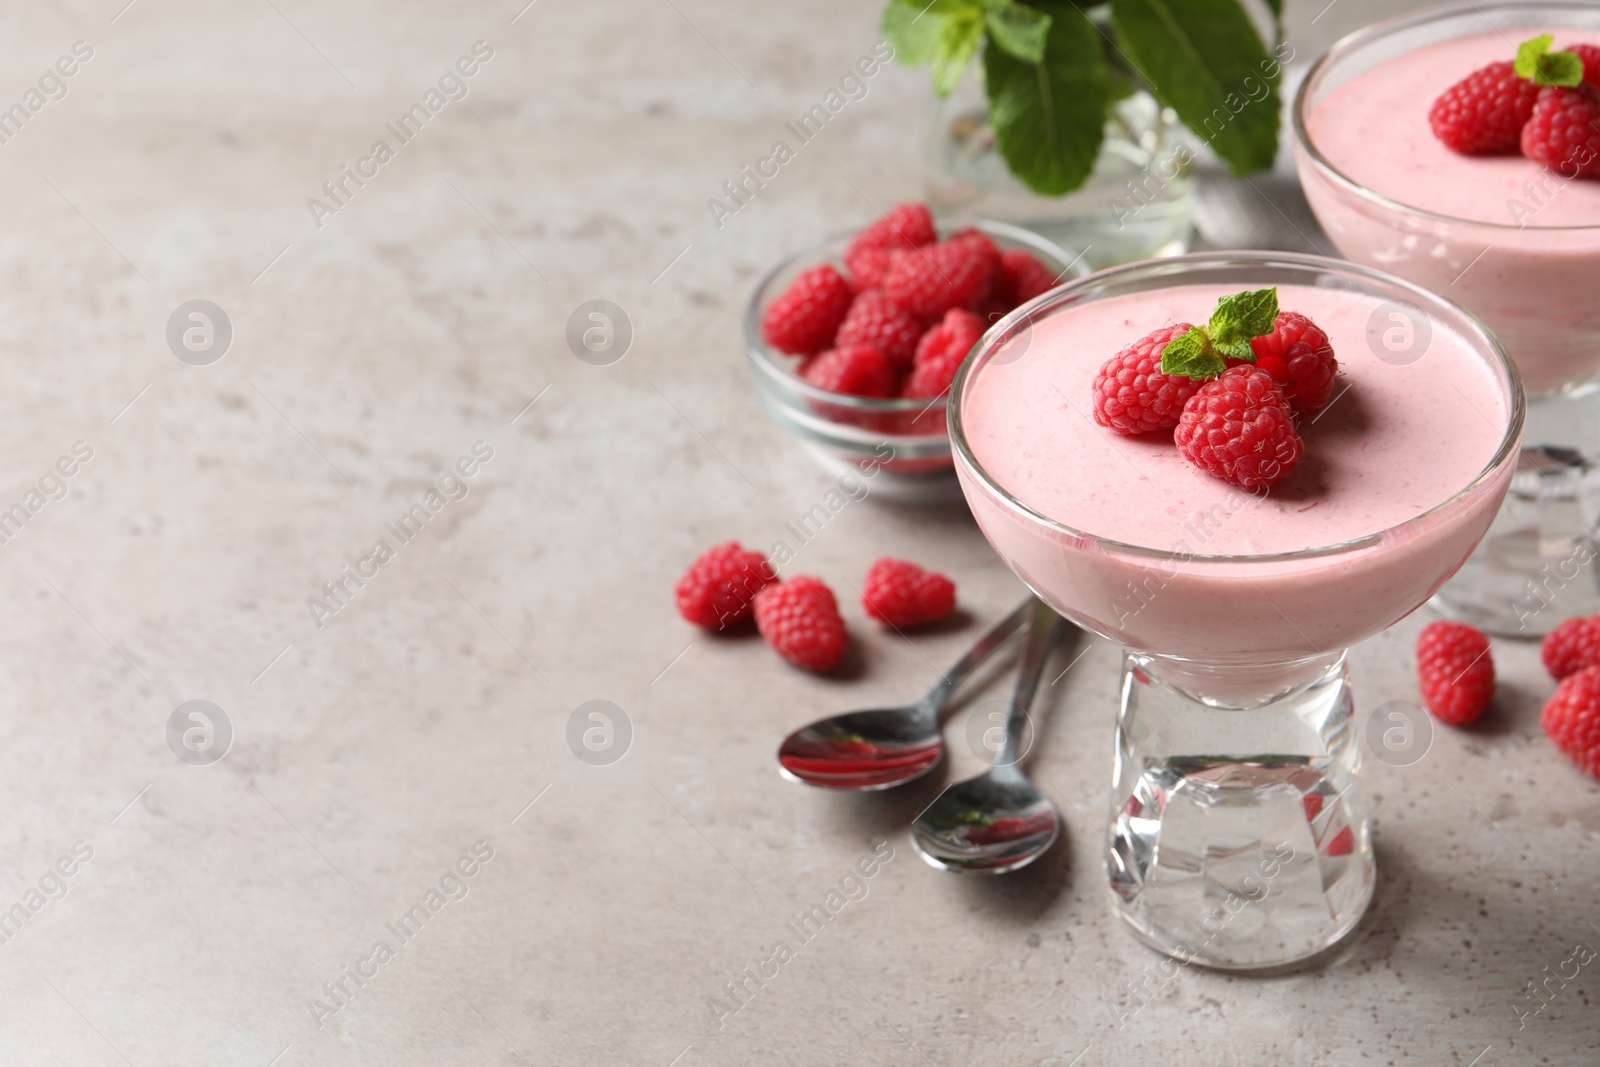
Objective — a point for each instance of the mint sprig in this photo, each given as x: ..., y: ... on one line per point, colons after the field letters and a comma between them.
x: 1536, y: 63
x: 1202, y: 353
x: 1052, y: 73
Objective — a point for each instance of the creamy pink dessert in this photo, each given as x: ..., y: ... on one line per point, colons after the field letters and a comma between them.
x: 1513, y: 242
x: 1393, y: 455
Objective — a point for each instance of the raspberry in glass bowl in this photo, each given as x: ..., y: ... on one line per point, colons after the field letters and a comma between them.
x: 894, y: 438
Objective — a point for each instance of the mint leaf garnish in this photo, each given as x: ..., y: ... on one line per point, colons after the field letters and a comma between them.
x: 1240, y: 317
x: 1049, y: 118
x: 1538, y: 64
x: 1202, y: 353
x: 1192, y: 356
x: 1019, y: 30
x: 1205, y: 59
x: 944, y: 34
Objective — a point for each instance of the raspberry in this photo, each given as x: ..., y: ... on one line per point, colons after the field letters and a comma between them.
x: 940, y: 353
x: 716, y: 591
x: 1590, y: 54
x: 1571, y: 647
x: 906, y: 226
x: 1483, y: 113
x: 870, y: 266
x: 1298, y: 356
x: 800, y: 620
x: 1023, y: 277
x: 1564, y: 132
x: 1456, y: 671
x: 903, y: 595
x: 805, y: 317
x: 1572, y: 719
x: 936, y: 278
x: 1132, y: 396
x: 1239, y: 427
x: 876, y: 320
x: 854, y: 370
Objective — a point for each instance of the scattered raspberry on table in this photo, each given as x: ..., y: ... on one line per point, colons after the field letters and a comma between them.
x: 1571, y: 718
x: 717, y: 590
x: 800, y: 619
x: 901, y: 594
x: 1571, y: 647
x: 1456, y: 672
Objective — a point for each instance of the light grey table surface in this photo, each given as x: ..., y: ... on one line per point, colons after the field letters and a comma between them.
x: 427, y: 717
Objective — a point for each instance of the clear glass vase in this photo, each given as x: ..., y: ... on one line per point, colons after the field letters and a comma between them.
x: 1137, y: 203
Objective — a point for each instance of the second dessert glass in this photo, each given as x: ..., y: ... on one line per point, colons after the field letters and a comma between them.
x: 1238, y: 836
x: 1532, y: 284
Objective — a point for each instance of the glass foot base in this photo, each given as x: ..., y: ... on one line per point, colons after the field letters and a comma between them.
x: 1536, y: 566
x: 1238, y: 836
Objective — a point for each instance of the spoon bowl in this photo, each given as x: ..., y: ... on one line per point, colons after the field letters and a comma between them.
x: 885, y: 747
x: 990, y: 824
x: 864, y: 749
x: 998, y: 821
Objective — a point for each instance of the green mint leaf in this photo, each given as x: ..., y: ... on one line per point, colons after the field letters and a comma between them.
x: 1238, y: 348
x: 1192, y: 356
x: 1205, y: 60
x: 1240, y: 317
x: 944, y: 34
x: 1538, y: 64
x: 1022, y: 31
x: 1049, y: 117
x: 962, y: 36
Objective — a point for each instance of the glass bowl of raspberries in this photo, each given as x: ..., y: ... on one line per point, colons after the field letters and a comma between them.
x: 853, y: 342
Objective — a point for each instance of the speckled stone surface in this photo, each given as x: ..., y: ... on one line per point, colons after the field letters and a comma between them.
x: 420, y: 731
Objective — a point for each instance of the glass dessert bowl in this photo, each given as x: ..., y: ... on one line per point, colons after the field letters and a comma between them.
x: 1238, y: 834
x: 1514, y: 242
x: 898, y: 447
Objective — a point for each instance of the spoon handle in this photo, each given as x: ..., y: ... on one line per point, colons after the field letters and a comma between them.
x: 1044, y: 628
x: 987, y: 645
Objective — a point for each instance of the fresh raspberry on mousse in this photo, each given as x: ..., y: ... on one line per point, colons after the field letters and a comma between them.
x: 1298, y: 356
x: 1229, y: 416
x: 1483, y: 113
x: 1563, y: 133
x: 1239, y: 427
x: 1545, y: 103
x: 1132, y: 396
